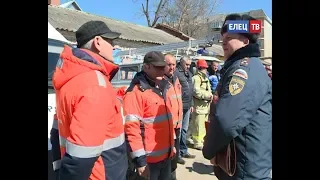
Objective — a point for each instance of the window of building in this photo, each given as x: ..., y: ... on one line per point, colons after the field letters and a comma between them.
x: 217, y: 37
x: 261, y: 43
x: 217, y: 25
x: 262, y: 53
x: 262, y: 33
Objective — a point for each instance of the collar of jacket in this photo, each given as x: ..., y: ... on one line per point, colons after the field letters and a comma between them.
x: 251, y: 50
x: 202, y: 74
x: 172, y: 79
x: 145, y: 83
x: 179, y: 67
x: 110, y: 69
x: 75, y: 61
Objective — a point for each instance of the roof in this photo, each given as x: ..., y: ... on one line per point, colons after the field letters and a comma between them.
x: 71, y: 20
x: 173, y: 31
x: 54, y: 34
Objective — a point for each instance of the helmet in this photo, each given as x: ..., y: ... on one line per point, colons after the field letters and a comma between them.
x: 201, y: 63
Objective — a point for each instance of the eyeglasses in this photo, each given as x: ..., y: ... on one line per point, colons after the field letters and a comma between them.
x: 110, y: 41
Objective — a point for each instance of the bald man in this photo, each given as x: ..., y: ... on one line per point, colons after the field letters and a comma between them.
x: 174, y: 94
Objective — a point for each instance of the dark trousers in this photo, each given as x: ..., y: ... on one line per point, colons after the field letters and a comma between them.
x: 160, y: 170
x: 51, y: 174
x: 177, y: 146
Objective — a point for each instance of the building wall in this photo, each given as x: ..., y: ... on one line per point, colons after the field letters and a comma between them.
x: 267, y: 29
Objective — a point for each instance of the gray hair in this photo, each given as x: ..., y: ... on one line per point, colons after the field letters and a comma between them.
x: 88, y: 45
x: 184, y: 58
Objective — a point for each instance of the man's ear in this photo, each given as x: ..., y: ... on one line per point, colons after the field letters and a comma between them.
x: 96, y: 43
x: 245, y: 40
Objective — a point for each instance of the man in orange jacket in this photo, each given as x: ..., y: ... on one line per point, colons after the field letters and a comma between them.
x: 174, y: 95
x: 90, y: 123
x: 148, y: 120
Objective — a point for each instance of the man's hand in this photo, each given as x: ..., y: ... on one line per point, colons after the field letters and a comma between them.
x: 143, y: 172
x: 174, y: 150
x: 191, y: 110
x: 213, y: 161
x: 215, y: 98
x: 211, y: 98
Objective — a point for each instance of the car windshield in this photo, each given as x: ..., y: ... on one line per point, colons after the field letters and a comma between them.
x: 126, y: 73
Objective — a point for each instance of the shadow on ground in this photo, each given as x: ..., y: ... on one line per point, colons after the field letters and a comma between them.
x: 201, y: 168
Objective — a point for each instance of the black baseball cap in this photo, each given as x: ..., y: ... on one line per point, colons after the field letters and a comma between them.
x: 155, y: 58
x: 253, y: 37
x: 91, y: 29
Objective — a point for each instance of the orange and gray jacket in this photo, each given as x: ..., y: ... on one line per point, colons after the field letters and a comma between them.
x: 148, y: 121
x: 89, y: 119
x: 175, y: 100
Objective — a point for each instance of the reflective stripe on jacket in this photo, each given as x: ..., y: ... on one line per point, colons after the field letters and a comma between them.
x: 91, y: 130
x: 148, y: 122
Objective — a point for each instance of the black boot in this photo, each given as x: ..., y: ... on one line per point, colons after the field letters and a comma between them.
x: 181, y: 161
x: 173, y: 175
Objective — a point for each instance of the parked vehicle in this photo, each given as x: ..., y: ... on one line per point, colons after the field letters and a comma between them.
x: 125, y: 74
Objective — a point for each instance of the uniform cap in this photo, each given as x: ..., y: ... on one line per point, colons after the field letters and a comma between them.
x: 91, y: 29
x: 253, y: 37
x: 155, y: 58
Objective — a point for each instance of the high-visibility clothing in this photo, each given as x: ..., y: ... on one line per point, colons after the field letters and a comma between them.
x: 121, y: 91
x: 201, y: 97
x: 197, y: 128
x: 148, y: 121
x: 201, y: 93
x: 91, y: 129
x: 175, y: 99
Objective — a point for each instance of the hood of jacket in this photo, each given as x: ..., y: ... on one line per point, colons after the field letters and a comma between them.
x: 139, y: 78
x: 76, y: 61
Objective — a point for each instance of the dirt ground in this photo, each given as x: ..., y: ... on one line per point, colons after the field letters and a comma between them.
x: 196, y: 169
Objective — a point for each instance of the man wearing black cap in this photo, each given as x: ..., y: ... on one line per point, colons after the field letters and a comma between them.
x: 243, y: 110
x: 91, y: 128
x: 148, y: 120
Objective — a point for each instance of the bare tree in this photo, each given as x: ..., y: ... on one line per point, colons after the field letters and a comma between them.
x: 153, y: 10
x: 188, y: 16
x: 191, y: 16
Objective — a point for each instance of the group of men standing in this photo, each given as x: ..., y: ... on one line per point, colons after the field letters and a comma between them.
x: 94, y: 130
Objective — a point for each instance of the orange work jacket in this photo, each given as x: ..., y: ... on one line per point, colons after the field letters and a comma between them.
x: 90, y: 123
x: 148, y: 121
x: 175, y: 98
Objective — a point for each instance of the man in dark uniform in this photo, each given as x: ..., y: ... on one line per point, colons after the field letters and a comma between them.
x: 243, y: 110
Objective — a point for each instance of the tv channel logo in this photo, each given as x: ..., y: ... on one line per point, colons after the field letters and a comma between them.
x: 252, y: 26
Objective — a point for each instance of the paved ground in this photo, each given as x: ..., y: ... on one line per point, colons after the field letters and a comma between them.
x: 196, y: 169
